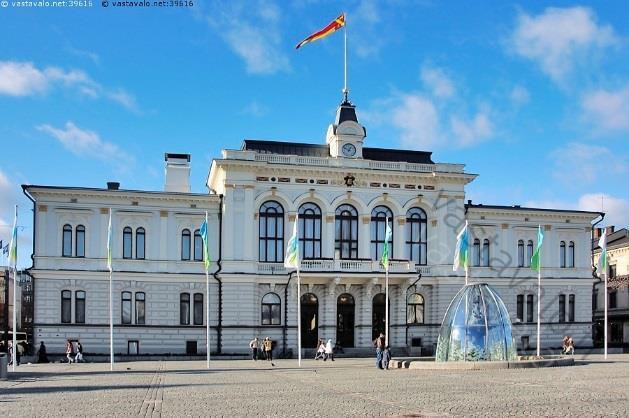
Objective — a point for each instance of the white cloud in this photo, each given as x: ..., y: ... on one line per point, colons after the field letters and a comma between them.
x: 255, y: 109
x: 607, y: 110
x: 436, y: 80
x: 589, y: 161
x: 471, y: 132
x: 253, y: 32
x: 558, y: 38
x: 125, y: 99
x: 21, y: 79
x: 417, y: 120
x: 83, y: 142
x: 368, y: 36
x: 616, y: 209
x: 519, y: 95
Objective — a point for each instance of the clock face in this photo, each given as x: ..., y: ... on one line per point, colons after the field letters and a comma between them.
x: 349, y: 150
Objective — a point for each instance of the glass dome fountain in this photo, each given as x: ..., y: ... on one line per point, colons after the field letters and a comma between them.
x: 476, y: 327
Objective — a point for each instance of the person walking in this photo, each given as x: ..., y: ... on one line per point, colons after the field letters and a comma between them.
x: 70, y: 351
x: 329, y: 351
x: 253, y: 345
x: 379, y: 344
x: 42, y: 357
x: 268, y: 350
x: 79, y: 352
x: 320, y: 351
x: 386, y: 357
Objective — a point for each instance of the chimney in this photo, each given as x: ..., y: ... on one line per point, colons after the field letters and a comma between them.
x: 611, y: 229
x: 177, y: 173
x: 113, y: 185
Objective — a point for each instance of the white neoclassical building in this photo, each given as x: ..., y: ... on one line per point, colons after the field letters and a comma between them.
x: 342, y: 191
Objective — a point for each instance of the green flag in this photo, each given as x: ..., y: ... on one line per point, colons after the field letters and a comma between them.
x: 387, y: 244
x: 536, y: 263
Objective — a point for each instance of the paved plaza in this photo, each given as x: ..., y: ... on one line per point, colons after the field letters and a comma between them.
x: 346, y: 387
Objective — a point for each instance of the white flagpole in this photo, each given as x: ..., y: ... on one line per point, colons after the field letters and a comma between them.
x: 386, y: 306
x: 467, y: 251
x: 14, y: 351
x: 298, y: 316
x: 605, y: 329
x: 345, y: 90
x: 539, y: 297
x: 111, y: 299
x: 207, y: 304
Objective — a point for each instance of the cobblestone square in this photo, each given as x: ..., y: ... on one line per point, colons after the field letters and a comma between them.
x: 346, y: 387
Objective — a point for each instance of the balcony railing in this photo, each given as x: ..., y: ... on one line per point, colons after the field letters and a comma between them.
x: 350, y: 266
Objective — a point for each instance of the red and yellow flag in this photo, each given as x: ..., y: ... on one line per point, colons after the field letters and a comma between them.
x: 335, y: 25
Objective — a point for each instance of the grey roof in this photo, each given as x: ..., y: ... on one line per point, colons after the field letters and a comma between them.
x: 524, y: 208
x: 615, y: 239
x: 315, y: 150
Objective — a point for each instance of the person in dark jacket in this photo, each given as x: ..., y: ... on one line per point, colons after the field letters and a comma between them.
x: 42, y: 357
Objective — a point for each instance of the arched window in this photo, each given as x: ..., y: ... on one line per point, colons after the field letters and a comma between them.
x: 310, y: 231
x: 529, y: 253
x: 66, y: 242
x: 198, y: 309
x: 140, y: 241
x: 271, y: 304
x: 127, y: 242
x: 416, y: 235
x: 379, y: 216
x: 184, y: 309
x: 80, y: 241
x: 271, y: 232
x: 125, y: 307
x: 198, y: 246
x: 66, y: 306
x: 140, y: 308
x: 79, y: 307
x: 571, y: 254
x: 415, y: 309
x: 346, y: 232
x: 520, y: 253
x: 185, y: 244
x: 485, y: 253
x: 476, y: 253
x: 562, y: 254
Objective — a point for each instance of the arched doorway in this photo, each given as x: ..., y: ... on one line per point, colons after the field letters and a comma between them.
x: 345, y: 320
x: 377, y: 315
x: 309, y: 320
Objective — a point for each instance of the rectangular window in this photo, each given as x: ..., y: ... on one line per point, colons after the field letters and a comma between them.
x: 562, y: 308
x: 79, y: 307
x: 571, y: 308
x: 612, y: 299
x: 133, y: 347
x: 80, y: 241
x: 66, y: 306
x: 198, y: 309
x: 140, y: 308
x: 520, y: 308
x: 595, y: 300
x: 125, y: 308
x: 529, y: 308
x: 184, y: 309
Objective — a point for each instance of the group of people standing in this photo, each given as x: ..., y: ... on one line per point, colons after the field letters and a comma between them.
x: 262, y: 349
x: 383, y: 352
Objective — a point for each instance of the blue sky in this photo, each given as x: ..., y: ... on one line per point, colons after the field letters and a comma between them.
x: 532, y: 96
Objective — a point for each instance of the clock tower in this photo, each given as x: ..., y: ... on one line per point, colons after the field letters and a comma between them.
x: 345, y: 136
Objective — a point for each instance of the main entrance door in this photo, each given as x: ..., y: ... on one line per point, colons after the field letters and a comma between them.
x: 309, y: 321
x: 378, y: 317
x: 345, y: 320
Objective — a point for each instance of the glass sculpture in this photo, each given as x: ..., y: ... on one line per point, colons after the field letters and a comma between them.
x: 476, y: 327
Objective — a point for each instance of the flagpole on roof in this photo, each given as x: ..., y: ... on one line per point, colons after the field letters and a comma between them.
x: 345, y: 90
x: 111, y: 301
